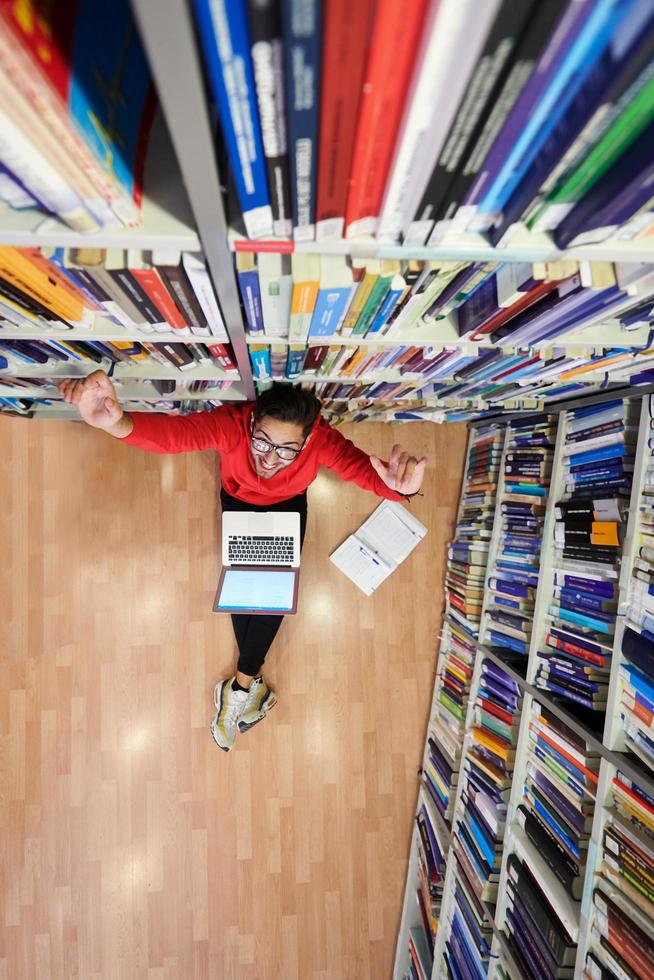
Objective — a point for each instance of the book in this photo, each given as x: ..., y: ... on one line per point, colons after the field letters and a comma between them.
x: 265, y: 34
x: 224, y: 37
x: 302, y: 38
x: 394, y: 39
x: 346, y: 29
x: 382, y: 542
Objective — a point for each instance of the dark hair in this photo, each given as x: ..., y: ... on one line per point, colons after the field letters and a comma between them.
x: 288, y: 404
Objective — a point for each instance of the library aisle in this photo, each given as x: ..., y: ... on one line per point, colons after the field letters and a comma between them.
x: 132, y: 847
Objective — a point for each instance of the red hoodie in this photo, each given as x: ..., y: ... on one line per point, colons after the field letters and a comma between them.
x: 227, y: 430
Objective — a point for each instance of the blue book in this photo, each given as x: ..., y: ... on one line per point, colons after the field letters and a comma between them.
x: 224, y: 36
x: 328, y: 311
x: 260, y: 360
x: 393, y: 297
x: 295, y: 362
x: 572, y: 600
x: 588, y: 410
x: 603, y: 21
x: 614, y: 451
x: 510, y: 588
x: 301, y: 29
x: 510, y: 642
x: 638, y: 680
x: 248, y: 284
x: 590, y: 622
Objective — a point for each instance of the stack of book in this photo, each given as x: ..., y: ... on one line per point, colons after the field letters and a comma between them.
x: 637, y: 646
x: 540, y: 931
x: 479, y: 830
x: 432, y: 854
x: 621, y: 933
x: 468, y: 552
x: 557, y: 132
x: 513, y: 579
x: 77, y: 106
x: 440, y: 770
x: 469, y: 938
x: 158, y: 291
x: 16, y: 356
x: 558, y: 797
x: 575, y: 659
x: 28, y: 406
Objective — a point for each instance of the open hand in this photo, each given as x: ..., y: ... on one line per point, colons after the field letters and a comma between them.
x: 402, y: 473
x: 95, y: 398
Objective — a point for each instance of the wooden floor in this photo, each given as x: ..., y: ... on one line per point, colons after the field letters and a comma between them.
x: 131, y: 846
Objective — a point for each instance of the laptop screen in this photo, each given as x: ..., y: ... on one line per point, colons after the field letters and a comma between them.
x: 265, y: 589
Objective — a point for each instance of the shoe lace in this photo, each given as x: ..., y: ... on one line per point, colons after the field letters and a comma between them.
x: 235, y: 707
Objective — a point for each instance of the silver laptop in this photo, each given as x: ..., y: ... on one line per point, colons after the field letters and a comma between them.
x: 261, y: 561
x: 268, y: 539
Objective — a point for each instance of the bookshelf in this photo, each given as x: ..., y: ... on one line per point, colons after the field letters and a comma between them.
x: 601, y: 735
x: 186, y: 207
x: 182, y: 212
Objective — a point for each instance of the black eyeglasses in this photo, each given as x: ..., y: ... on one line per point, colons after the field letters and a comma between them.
x: 284, y: 452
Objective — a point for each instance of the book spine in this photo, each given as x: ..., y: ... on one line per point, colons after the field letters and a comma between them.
x: 267, y: 61
x: 152, y: 285
x: 547, y: 68
x: 301, y: 33
x: 224, y: 37
x: 394, y: 40
x: 346, y: 27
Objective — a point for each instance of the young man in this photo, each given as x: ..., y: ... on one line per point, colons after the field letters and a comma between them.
x: 270, y: 451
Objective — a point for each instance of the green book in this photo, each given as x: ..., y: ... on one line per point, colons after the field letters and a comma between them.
x: 571, y: 188
x: 374, y: 301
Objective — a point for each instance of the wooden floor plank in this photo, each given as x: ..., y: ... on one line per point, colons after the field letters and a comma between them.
x: 132, y: 847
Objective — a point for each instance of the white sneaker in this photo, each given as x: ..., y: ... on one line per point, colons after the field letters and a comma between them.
x: 259, y: 702
x: 230, y: 705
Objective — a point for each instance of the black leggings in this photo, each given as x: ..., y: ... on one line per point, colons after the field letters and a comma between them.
x: 254, y: 634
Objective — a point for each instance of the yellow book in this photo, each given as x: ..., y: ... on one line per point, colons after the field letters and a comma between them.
x: 361, y: 354
x: 369, y: 271
x: 126, y: 345
x: 35, y: 280
x: 305, y: 271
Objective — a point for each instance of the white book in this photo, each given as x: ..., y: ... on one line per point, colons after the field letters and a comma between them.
x: 41, y: 179
x: 276, y: 287
x: 380, y: 545
x: 198, y: 276
x: 446, y: 60
x: 626, y: 436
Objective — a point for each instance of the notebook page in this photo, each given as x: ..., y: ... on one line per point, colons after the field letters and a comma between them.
x: 360, y: 565
x: 389, y: 535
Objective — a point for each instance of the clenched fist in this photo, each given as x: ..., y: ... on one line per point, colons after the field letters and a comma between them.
x: 95, y: 398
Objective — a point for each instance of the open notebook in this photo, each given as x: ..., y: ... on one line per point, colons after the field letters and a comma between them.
x: 382, y: 543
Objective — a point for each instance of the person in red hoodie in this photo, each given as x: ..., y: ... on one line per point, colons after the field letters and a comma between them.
x: 270, y: 451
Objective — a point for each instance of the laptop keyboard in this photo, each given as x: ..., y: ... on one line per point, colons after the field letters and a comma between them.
x: 250, y: 549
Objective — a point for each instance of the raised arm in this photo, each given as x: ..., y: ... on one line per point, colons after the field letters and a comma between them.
x: 96, y: 400
x: 95, y: 397
x: 399, y: 478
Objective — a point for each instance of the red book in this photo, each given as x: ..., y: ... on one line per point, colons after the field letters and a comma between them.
x: 592, y: 658
x: 346, y: 29
x: 222, y: 354
x: 391, y: 56
x: 151, y: 284
x: 508, y: 312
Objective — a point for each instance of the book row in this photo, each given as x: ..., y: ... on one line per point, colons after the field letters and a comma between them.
x: 281, y: 362
x: 146, y: 292
x: 43, y: 407
x: 408, y: 121
x: 77, y: 107
x: 307, y: 296
x: 16, y: 356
